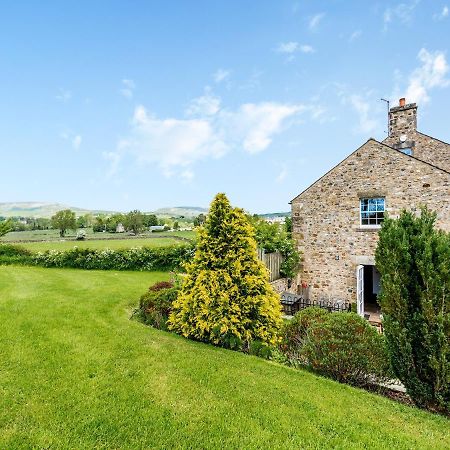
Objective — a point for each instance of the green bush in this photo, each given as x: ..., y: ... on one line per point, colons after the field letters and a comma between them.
x: 15, y: 254
x: 226, y: 298
x: 295, y: 330
x: 156, y: 304
x: 345, y: 347
x: 139, y: 258
x: 414, y: 262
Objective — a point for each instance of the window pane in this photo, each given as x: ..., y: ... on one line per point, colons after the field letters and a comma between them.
x: 372, y: 211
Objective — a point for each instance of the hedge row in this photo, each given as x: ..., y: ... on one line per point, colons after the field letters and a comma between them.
x: 139, y: 258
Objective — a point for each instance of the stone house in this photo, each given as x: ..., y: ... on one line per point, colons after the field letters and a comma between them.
x: 336, y: 219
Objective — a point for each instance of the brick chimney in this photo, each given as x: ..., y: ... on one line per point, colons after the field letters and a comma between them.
x: 403, y: 120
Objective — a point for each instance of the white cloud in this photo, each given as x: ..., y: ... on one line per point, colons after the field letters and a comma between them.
x: 282, y: 175
x: 63, y: 95
x: 364, y: 107
x: 403, y: 13
x: 114, y: 159
x: 171, y: 142
x: 221, y: 75
x: 306, y: 49
x: 288, y: 47
x: 187, y: 175
x: 361, y: 105
x: 128, y: 87
x: 315, y: 20
x: 76, y: 142
x: 253, y: 125
x: 175, y: 144
x: 70, y: 136
x: 355, y: 35
x: 206, y: 105
x: 431, y: 74
x: 443, y: 14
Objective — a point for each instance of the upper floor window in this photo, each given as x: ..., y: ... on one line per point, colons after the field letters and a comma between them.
x: 372, y: 211
x: 407, y: 151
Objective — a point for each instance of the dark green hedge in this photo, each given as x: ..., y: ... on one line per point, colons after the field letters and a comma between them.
x: 140, y: 258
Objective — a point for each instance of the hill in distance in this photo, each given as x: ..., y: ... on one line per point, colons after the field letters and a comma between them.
x: 46, y: 210
x: 40, y: 209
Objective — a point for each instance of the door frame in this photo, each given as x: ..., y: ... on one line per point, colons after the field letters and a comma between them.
x: 360, y: 290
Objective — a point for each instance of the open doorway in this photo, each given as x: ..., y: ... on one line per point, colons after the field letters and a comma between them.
x: 368, y: 288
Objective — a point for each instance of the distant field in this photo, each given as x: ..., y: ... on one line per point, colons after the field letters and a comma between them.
x: 41, y: 240
x: 103, y: 243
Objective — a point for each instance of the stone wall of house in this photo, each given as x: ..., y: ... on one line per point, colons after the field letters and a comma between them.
x: 326, y: 217
x: 424, y: 148
x: 403, y: 134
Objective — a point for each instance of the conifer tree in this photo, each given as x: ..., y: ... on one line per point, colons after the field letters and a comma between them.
x: 414, y: 261
x: 226, y: 298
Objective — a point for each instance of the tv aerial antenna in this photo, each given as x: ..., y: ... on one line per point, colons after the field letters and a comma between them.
x: 388, y: 104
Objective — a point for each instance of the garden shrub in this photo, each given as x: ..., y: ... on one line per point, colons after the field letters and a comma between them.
x: 15, y: 254
x: 414, y: 262
x: 345, y: 347
x: 295, y: 330
x: 156, y: 304
x: 226, y: 298
x: 139, y: 258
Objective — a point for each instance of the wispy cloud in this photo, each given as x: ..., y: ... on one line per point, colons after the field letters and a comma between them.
x: 443, y: 14
x: 63, y: 95
x: 355, y: 35
x: 221, y: 75
x: 315, y: 20
x: 292, y: 47
x: 363, y: 106
x: 206, y: 105
x: 207, y: 131
x: 282, y: 174
x: 114, y: 159
x: 76, y: 142
x: 403, y: 13
x: 430, y: 74
x: 73, y: 138
x: 128, y: 87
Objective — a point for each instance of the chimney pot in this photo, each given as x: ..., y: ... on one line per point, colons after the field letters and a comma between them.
x: 402, y: 101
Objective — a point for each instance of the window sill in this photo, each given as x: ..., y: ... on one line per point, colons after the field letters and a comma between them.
x: 369, y: 228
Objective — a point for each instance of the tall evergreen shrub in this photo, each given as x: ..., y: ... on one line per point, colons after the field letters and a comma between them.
x: 226, y: 298
x: 414, y: 261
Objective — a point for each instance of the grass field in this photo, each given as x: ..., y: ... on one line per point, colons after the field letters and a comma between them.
x: 41, y: 240
x: 53, y: 235
x: 75, y: 372
x: 103, y: 243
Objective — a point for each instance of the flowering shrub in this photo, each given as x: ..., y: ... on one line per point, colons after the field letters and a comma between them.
x: 139, y: 258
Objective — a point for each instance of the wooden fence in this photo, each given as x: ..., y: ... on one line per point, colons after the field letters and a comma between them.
x: 272, y: 261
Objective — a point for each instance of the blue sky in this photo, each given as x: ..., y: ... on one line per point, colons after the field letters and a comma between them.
x: 124, y: 105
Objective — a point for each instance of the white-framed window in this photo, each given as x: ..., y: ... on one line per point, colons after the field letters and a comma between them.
x: 407, y: 151
x: 372, y: 211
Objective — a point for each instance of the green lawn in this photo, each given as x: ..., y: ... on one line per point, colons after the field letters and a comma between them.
x: 75, y: 372
x: 102, y: 243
